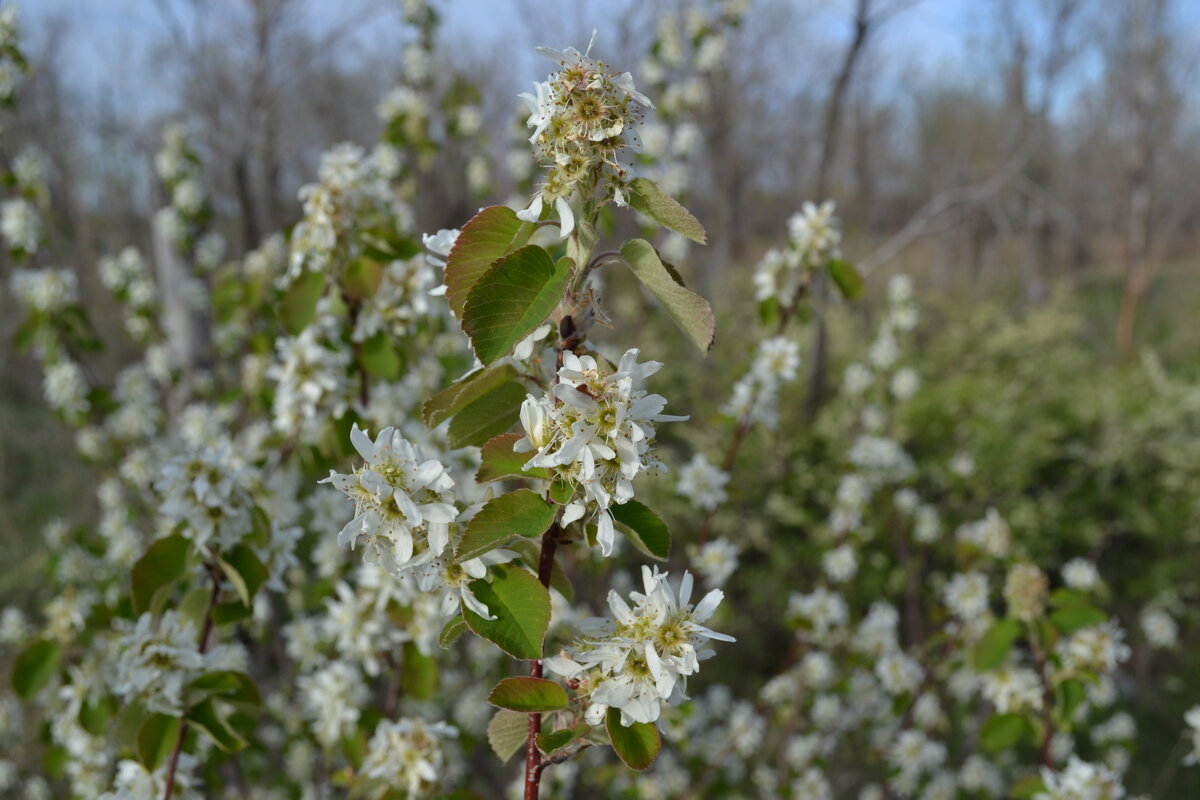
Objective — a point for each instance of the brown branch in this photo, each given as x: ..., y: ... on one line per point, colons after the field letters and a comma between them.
x: 214, y: 572
x: 533, y: 757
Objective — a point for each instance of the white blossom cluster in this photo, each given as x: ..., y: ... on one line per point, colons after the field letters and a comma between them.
x: 814, y: 239
x: 756, y: 395
x: 20, y: 226
x: 583, y: 119
x: 158, y: 658
x: 595, y: 431
x: 46, y: 291
x: 401, y: 299
x: 412, y: 756
x: 207, y: 489
x: 1081, y: 780
x: 690, y: 50
x: 641, y: 658
x: 702, y: 483
x: 353, y: 191
x: 178, y: 166
x: 311, y: 383
x: 12, y: 61
x: 404, y: 503
x: 128, y: 277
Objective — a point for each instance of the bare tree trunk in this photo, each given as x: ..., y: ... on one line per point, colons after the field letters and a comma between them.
x: 818, y: 377
x: 180, y: 326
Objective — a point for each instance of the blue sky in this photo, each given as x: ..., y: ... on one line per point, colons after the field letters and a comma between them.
x: 112, y: 38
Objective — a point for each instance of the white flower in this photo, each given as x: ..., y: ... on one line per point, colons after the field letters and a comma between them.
x: 583, y: 119
x: 1099, y: 648
x: 411, y: 756
x: 453, y: 580
x: 814, y: 233
x: 905, y: 383
x: 1081, y: 781
x: 1079, y: 573
x: 966, y: 595
x: 643, y: 656
x: 20, y: 225
x: 66, y: 389
x: 1160, y: 628
x: 962, y: 464
x: 715, y: 561
x: 898, y: 673
x: 1192, y: 718
x: 840, y: 563
x: 702, y: 483
x: 332, y: 697
x: 206, y: 490
x: 45, y: 290
x: 825, y: 610
x: 1011, y: 688
x: 598, y: 436
x: 990, y: 534
x: 777, y: 360
x: 133, y: 782
x: 439, y: 246
x: 157, y: 661
x: 900, y: 289
x: 403, y: 506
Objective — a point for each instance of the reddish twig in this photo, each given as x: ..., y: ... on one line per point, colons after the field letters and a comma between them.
x: 215, y: 573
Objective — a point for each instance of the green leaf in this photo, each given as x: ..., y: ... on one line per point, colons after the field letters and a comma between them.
x: 260, y: 527
x: 519, y: 513
x: 233, y: 611
x: 848, y: 281
x: 557, y: 740
x: 1002, y: 731
x: 94, y: 715
x: 528, y: 695
x: 379, y: 358
x: 689, y: 310
x: 492, y: 234
x: 648, y: 198
x: 530, y: 551
x: 36, y: 664
x: 451, y: 631
x: 156, y: 738
x: 457, y: 396
x: 498, y: 461
x: 1026, y: 788
x: 561, y: 492
x: 511, y: 299
x: 420, y: 673
x: 299, y: 302
x: 236, y: 688
x: 1069, y: 598
x: 636, y: 745
x: 644, y: 528
x: 361, y: 278
x: 208, y: 719
x: 492, y: 414
x: 164, y: 563
x: 521, y: 606
x: 993, y: 648
x: 1073, y: 692
x: 1071, y: 618
x: 507, y: 732
x: 244, y: 571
